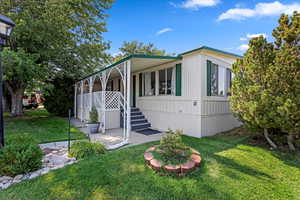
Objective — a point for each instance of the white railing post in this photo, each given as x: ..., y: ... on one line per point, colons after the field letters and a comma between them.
x: 104, y: 82
x: 91, y: 92
x: 128, y: 70
x: 81, y: 101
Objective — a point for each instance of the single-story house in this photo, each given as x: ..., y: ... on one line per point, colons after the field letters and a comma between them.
x: 187, y: 92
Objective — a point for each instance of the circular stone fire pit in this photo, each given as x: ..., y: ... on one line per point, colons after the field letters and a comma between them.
x: 180, y: 169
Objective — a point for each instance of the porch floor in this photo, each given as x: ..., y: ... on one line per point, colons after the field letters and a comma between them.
x: 114, y: 136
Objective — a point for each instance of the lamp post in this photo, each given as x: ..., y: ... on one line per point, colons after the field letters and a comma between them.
x: 6, y: 27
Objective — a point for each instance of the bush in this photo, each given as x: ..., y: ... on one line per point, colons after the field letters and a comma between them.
x: 84, y: 149
x: 59, y: 98
x: 21, y: 155
x: 172, y: 148
x: 94, y: 115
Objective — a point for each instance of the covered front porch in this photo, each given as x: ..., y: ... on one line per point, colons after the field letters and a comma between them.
x: 113, y: 91
x: 113, y: 137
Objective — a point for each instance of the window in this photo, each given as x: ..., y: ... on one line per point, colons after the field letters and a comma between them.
x: 167, y: 81
x: 148, y: 84
x: 219, y: 80
x: 162, y: 81
x: 214, y: 80
x: 228, y: 81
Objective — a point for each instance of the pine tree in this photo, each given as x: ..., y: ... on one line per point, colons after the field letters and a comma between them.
x: 266, y: 87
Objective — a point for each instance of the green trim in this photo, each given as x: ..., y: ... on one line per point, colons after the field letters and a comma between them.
x: 178, y: 79
x: 211, y: 49
x: 153, y: 56
x: 128, y: 58
x: 208, y: 77
x: 160, y: 57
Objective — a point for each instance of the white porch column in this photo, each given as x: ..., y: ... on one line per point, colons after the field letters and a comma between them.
x: 103, y: 107
x: 81, y: 101
x: 128, y: 76
x: 75, y: 101
x: 91, y: 92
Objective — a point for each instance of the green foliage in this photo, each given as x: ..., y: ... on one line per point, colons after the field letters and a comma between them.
x: 20, y: 155
x: 265, y: 89
x: 136, y: 47
x: 63, y: 40
x: 20, y: 72
x: 60, y: 97
x: 285, y: 74
x: 65, y: 43
x: 85, y: 149
x: 20, y: 68
x: 94, y: 115
x: 172, y: 147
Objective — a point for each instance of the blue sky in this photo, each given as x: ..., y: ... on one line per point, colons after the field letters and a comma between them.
x: 182, y: 25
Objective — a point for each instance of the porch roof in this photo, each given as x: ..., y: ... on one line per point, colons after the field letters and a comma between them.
x: 139, y: 62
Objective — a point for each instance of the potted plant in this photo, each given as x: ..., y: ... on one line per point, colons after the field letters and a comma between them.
x: 93, y: 123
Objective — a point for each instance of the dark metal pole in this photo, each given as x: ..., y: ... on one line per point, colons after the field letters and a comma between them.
x: 69, y: 131
x: 1, y: 97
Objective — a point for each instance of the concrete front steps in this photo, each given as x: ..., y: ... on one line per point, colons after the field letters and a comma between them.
x: 138, y: 120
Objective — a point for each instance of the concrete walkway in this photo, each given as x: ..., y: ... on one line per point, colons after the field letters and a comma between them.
x: 114, y: 136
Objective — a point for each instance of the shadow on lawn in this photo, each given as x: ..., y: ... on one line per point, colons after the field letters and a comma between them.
x: 211, y: 150
x: 122, y: 174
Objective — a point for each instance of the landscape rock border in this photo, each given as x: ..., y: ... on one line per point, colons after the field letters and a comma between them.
x: 54, y: 158
x: 180, y: 170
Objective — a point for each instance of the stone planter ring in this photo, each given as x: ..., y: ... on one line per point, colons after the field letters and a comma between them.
x: 180, y: 170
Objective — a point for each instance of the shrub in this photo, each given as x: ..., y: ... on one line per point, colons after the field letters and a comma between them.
x: 94, y: 115
x: 60, y: 97
x: 172, y: 148
x: 84, y: 149
x: 21, y: 155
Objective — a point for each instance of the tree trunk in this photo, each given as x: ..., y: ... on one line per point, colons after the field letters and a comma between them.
x: 6, y: 103
x: 16, y: 92
x: 17, y: 103
x: 290, y: 139
x: 266, y: 134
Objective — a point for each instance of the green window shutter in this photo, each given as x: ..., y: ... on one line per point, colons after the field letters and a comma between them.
x: 208, y: 77
x: 140, y: 85
x: 178, y: 79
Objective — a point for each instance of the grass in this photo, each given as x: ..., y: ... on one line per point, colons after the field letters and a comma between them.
x: 231, y: 169
x: 40, y: 125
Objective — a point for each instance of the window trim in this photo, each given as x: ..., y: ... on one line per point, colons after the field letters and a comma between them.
x: 166, y: 79
x: 210, y: 64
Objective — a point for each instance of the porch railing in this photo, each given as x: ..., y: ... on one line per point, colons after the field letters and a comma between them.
x: 113, y: 102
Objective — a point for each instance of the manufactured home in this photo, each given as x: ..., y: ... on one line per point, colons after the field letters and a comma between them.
x: 143, y: 92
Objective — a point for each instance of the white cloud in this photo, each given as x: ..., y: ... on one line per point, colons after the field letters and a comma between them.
x: 243, y: 47
x: 256, y: 35
x: 162, y: 31
x: 250, y: 36
x: 195, y: 4
x: 261, y: 9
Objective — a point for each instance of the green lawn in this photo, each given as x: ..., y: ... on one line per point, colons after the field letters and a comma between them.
x: 40, y: 125
x: 231, y: 169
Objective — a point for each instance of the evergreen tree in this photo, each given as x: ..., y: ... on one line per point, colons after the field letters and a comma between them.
x: 266, y: 87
